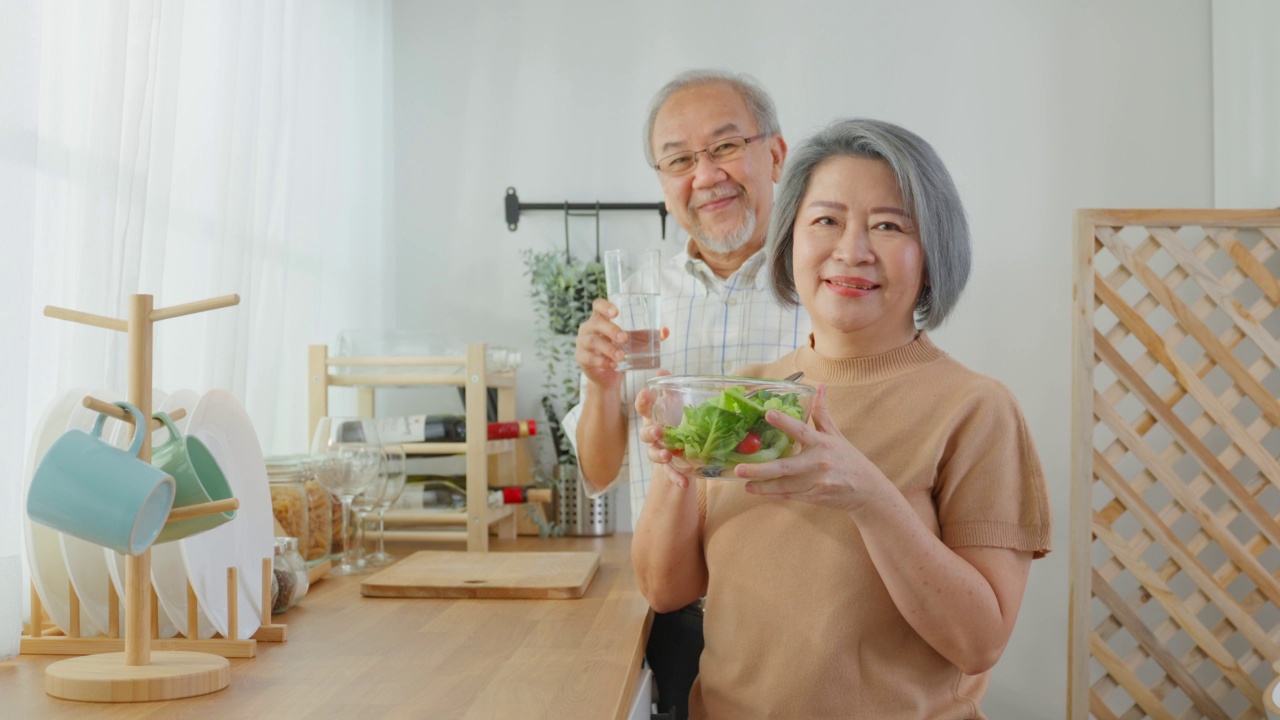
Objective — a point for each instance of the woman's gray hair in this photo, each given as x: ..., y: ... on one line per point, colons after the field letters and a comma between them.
x: 758, y: 101
x: 928, y: 192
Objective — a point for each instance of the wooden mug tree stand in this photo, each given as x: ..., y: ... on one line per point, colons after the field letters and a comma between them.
x: 137, y: 674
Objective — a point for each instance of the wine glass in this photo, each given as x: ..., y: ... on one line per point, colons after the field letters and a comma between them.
x: 346, y: 462
x: 393, y: 466
x: 364, y: 503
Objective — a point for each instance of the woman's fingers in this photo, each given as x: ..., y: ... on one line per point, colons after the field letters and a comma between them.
x: 784, y: 467
x: 779, y: 488
x: 791, y: 426
x: 827, y: 470
x: 820, y: 413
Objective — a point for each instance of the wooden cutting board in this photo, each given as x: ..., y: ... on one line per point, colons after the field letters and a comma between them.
x: 443, y: 574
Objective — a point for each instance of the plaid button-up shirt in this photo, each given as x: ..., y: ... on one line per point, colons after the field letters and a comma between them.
x: 717, y: 326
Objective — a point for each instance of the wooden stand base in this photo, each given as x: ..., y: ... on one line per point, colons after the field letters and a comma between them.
x: 106, y: 678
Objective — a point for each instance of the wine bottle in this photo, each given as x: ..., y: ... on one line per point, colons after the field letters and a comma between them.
x: 513, y: 429
x: 517, y: 494
x: 453, y: 428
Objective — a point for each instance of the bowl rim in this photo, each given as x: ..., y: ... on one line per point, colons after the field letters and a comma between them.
x: 717, y: 382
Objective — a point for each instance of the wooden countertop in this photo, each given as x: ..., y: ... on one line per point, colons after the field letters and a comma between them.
x: 353, y: 657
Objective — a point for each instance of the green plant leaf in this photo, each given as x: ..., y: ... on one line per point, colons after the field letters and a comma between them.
x: 561, y: 292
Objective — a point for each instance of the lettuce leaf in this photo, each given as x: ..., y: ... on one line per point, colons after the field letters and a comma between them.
x: 709, y: 433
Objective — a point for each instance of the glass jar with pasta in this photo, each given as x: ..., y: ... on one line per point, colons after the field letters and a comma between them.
x: 316, y: 544
x: 300, y: 505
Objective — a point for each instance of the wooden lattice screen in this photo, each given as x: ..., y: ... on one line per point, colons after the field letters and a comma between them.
x: 1175, y: 483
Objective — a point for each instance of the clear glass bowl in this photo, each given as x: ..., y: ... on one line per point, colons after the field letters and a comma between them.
x: 712, y: 423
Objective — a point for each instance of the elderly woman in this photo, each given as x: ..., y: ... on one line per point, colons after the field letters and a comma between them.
x: 877, y: 571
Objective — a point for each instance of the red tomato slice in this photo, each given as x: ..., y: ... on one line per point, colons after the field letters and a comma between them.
x: 675, y: 451
x: 750, y: 444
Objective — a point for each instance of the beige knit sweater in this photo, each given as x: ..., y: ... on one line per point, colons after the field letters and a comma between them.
x: 798, y: 622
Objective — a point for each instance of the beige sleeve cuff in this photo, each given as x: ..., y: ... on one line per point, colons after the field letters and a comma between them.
x: 1027, y: 538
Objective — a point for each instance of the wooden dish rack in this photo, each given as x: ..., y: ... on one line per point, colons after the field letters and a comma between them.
x: 473, y: 524
x: 112, y: 669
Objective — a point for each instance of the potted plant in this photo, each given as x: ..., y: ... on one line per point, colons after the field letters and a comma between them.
x: 562, y: 290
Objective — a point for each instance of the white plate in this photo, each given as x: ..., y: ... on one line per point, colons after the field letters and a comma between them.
x: 44, y: 554
x: 168, y: 574
x: 220, y: 421
x: 86, y: 565
x: 115, y: 561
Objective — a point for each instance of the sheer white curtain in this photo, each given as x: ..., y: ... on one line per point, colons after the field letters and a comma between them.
x: 19, y: 91
x: 195, y: 149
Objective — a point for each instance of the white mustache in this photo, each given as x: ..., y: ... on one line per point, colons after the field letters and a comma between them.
x: 715, y: 193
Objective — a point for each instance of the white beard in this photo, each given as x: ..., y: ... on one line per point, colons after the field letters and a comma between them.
x: 730, y: 241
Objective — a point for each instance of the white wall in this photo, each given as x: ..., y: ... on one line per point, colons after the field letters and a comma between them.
x: 1246, y: 104
x: 1037, y: 108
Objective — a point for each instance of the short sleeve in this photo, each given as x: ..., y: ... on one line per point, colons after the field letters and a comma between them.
x: 991, y: 490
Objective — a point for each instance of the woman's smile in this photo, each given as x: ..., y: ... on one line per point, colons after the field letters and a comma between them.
x: 854, y: 287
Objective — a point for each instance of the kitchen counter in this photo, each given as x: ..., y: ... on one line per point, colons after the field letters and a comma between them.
x: 354, y: 657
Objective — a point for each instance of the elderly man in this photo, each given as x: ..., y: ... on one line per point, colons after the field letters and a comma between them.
x: 714, y: 140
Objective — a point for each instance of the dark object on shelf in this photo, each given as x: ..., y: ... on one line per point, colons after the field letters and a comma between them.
x: 514, y: 207
x: 444, y: 428
x: 491, y: 407
x: 443, y: 492
x: 453, y: 428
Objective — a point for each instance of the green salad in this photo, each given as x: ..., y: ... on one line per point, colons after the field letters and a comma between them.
x: 730, y: 428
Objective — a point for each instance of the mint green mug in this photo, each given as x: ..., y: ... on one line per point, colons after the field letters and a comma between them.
x: 88, y: 488
x: 199, y: 480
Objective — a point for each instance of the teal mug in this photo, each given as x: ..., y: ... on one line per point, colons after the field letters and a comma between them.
x: 198, y: 477
x: 88, y: 488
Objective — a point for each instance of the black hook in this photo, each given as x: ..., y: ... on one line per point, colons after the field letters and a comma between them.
x: 568, y: 258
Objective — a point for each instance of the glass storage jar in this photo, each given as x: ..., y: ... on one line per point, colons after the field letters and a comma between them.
x: 289, y: 573
x: 286, y: 478
x: 300, y: 504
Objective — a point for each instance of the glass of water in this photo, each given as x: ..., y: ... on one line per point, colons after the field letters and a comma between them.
x: 632, y: 280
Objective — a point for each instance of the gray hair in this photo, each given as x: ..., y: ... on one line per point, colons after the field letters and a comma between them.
x: 928, y: 192
x: 758, y: 101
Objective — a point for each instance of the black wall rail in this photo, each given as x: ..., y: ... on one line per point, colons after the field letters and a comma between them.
x: 514, y: 207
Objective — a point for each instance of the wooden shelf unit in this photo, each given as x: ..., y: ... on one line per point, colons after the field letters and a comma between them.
x: 473, y: 525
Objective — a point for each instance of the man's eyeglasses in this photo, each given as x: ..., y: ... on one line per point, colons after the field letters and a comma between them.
x: 720, y: 151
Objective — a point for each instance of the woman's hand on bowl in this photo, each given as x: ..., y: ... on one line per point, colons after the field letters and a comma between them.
x: 827, y: 470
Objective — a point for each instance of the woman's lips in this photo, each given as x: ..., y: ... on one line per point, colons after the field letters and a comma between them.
x: 850, y: 287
